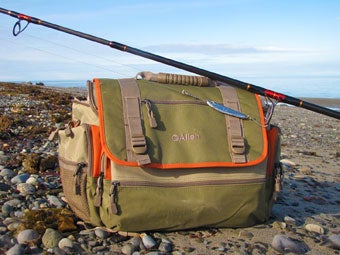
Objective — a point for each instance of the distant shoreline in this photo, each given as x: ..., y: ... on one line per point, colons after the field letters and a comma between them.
x: 326, y: 102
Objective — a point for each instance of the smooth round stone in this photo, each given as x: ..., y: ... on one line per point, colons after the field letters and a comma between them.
x: 7, y: 173
x: 25, y: 189
x: 21, y: 178
x: 4, y: 187
x: 148, y: 241
x: 315, y: 228
x: 33, y: 180
x: 17, y: 249
x: 100, y: 233
x: 51, y: 238
x: 333, y: 242
x: 55, y: 201
x: 7, y: 209
x: 27, y: 236
x: 285, y: 244
x: 65, y: 243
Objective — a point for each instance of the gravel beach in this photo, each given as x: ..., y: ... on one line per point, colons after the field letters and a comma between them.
x: 34, y: 217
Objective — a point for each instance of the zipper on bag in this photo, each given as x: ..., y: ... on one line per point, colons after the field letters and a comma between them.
x: 114, y: 207
x: 77, y: 177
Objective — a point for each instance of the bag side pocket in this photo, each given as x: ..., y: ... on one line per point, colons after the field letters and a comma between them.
x: 75, y: 161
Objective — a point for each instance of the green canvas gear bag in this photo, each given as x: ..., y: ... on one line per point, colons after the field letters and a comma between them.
x: 166, y: 152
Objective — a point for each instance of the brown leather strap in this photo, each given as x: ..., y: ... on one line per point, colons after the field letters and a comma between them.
x: 135, y: 140
x: 237, y: 146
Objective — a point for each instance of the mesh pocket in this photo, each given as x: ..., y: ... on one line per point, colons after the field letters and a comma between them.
x: 73, y: 176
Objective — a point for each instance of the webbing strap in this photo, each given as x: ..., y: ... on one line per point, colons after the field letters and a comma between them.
x: 236, y: 140
x: 136, y: 148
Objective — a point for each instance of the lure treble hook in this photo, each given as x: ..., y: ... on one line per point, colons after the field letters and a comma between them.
x: 17, y: 27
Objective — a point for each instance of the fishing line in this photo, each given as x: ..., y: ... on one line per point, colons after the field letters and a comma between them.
x: 74, y: 60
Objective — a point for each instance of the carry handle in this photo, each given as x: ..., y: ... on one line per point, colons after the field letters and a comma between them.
x: 179, y: 79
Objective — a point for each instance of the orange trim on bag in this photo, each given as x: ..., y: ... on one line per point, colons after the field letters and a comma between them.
x: 272, y: 136
x: 176, y: 165
x: 96, y: 150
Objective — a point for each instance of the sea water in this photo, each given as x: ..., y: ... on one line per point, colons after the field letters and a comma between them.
x: 295, y: 86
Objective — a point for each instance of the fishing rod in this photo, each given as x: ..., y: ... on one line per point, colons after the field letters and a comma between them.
x: 17, y: 29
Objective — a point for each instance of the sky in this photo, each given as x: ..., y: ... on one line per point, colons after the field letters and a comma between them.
x: 243, y: 39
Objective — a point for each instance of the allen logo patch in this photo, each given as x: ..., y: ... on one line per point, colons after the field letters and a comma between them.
x: 186, y: 137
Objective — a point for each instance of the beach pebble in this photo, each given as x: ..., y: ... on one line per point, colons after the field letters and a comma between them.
x: 51, y: 238
x: 25, y: 189
x: 4, y: 187
x: 33, y: 180
x: 333, y: 242
x: 27, y: 236
x: 128, y: 249
x: 55, y: 201
x: 5, y: 172
x: 20, y: 178
x: 65, y: 244
x: 285, y: 244
x: 315, y: 228
x: 17, y: 249
x: 288, y: 163
x: 165, y: 247
x: 289, y: 220
x: 148, y: 241
x: 100, y: 233
x: 6, y: 209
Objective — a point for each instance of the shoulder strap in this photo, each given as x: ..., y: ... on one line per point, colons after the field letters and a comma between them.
x: 236, y: 140
x: 135, y: 140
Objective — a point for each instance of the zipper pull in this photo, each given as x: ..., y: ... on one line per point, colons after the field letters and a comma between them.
x: 77, y: 176
x: 114, y: 198
x: 152, y: 120
x: 97, y: 200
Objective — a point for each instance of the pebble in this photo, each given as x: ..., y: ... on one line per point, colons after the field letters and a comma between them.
x: 21, y: 178
x: 148, y: 241
x: 65, y: 243
x: 333, y: 242
x: 55, y: 201
x: 100, y: 233
x: 27, y: 236
x: 5, y: 172
x: 289, y: 220
x: 25, y: 189
x: 51, y: 238
x: 285, y: 244
x: 315, y: 228
x: 17, y: 249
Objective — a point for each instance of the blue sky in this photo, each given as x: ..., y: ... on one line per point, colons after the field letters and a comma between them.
x: 242, y: 39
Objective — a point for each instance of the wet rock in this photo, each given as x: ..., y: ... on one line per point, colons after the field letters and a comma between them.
x: 51, y: 238
x: 28, y: 236
x: 4, y: 187
x: 286, y: 244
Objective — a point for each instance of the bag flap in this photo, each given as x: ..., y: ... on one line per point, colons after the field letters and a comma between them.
x: 188, y: 133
